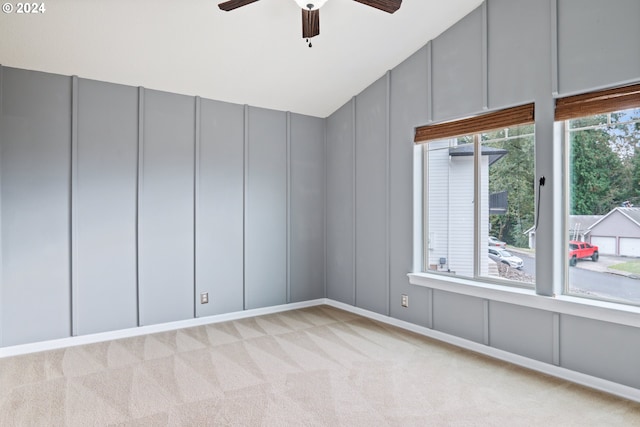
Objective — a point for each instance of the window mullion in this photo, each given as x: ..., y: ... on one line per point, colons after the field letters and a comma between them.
x: 477, y: 179
x: 425, y: 208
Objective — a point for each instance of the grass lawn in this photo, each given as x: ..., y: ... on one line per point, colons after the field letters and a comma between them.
x: 631, y: 266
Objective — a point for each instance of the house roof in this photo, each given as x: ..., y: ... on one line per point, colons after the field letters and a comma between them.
x: 588, y: 222
x: 632, y: 213
x: 252, y: 55
x: 583, y: 222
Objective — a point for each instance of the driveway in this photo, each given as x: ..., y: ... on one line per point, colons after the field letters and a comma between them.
x: 603, y: 264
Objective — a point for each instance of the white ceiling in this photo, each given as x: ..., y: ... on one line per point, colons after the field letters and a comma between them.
x: 252, y: 55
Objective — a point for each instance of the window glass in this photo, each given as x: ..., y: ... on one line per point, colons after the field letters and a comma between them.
x: 603, y: 249
x: 511, y: 201
x: 449, y: 206
x: 503, y: 221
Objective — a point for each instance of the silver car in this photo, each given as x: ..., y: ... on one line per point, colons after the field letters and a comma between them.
x: 495, y: 242
x: 505, y: 257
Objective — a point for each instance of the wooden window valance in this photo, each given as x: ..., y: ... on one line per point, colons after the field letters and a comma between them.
x: 604, y: 101
x: 521, y: 115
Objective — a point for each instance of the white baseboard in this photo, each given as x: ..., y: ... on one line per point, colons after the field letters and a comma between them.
x: 21, y: 349
x: 596, y: 383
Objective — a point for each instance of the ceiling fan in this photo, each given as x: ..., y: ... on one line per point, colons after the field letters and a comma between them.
x: 311, y: 11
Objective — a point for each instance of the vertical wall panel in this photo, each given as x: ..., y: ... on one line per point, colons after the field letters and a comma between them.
x: 372, y: 272
x: 2, y: 124
x: 35, y: 138
x: 457, y: 69
x: 459, y: 315
x: 105, y: 209
x: 166, y: 230
x: 597, y: 43
x: 601, y: 349
x: 518, y: 50
x: 521, y: 330
x: 408, y: 104
x: 307, y: 208
x: 340, y: 205
x: 266, y: 209
x: 220, y: 202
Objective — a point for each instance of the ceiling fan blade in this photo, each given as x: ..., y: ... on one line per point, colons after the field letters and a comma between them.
x: 234, y: 4
x: 310, y: 23
x: 388, y: 6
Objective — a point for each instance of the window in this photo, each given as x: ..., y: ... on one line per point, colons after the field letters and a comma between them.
x: 489, y: 239
x: 603, y: 203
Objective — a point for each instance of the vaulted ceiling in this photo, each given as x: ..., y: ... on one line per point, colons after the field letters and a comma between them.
x: 253, y: 55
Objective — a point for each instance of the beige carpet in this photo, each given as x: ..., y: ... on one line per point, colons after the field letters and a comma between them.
x: 311, y: 367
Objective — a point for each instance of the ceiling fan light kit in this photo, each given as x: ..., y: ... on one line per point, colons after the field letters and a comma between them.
x: 310, y: 4
x: 311, y: 12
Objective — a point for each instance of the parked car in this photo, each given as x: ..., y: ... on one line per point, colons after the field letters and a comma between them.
x: 495, y: 242
x: 505, y: 257
x: 580, y: 250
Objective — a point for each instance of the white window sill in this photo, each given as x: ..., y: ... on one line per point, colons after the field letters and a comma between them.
x: 563, y: 304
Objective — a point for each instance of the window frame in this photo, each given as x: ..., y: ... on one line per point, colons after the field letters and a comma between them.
x: 473, y: 126
x: 548, y: 294
x: 582, y: 106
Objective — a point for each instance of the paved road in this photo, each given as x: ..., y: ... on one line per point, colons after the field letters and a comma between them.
x: 604, y: 285
x: 595, y: 283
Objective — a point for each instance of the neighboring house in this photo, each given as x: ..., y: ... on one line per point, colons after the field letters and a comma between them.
x: 579, y: 226
x: 451, y: 205
x: 532, y: 236
x: 618, y: 232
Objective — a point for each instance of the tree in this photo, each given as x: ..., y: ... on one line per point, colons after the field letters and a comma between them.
x: 514, y: 173
x: 598, y: 176
x: 625, y: 142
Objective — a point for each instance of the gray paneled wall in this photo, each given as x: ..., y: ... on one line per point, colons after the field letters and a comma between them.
x: 524, y: 331
x: 505, y: 53
x: 371, y: 198
x: 517, y: 51
x: 597, y: 43
x: 408, y: 105
x: 166, y: 208
x: 459, y: 315
x: 307, y: 202
x: 220, y: 208
x: 340, y: 207
x: 601, y: 349
x: 266, y: 209
x: 119, y: 205
x: 35, y: 176
x: 457, y: 69
x: 104, y: 218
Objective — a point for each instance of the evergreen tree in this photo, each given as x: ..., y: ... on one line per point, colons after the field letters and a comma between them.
x: 514, y: 173
x: 597, y: 173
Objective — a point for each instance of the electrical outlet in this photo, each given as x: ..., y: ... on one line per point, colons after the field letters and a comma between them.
x: 204, y: 298
x: 405, y: 300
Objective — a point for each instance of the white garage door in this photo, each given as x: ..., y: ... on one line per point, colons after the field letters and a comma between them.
x: 630, y: 246
x: 606, y: 245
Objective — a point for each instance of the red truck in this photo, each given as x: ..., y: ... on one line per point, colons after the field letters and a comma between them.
x: 579, y: 250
